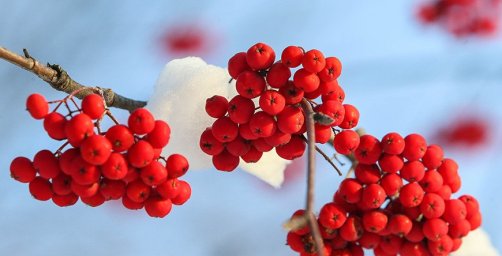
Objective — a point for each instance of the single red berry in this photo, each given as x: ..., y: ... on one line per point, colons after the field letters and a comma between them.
x: 415, y: 235
x: 160, y: 135
x: 369, y: 240
x: 260, y: 56
x: 93, y: 105
x: 434, y: 229
x: 272, y: 102
x: 54, y: 125
x: 369, y: 150
x: 278, y: 138
x: 79, y: 128
x: 374, y: 221
x: 112, y: 189
x: 252, y: 156
x: 278, y: 75
x: 177, y: 165
x: 335, y: 92
x: 293, y: 149
x: 390, y: 245
x: 154, y: 174
x: 433, y: 157
x: 411, y: 195
x: 432, y: 206
x: 130, y: 204
x: 471, y: 205
x: 250, y: 84
x: 440, y: 247
x: 141, y: 121
x: 291, y: 93
x: 261, y: 145
x: 185, y: 191
x: 346, y: 141
x: 216, y: 106
x: 444, y: 192
x: 224, y: 129
x: 115, y: 168
x: 391, y: 163
x: 352, y: 229
x: 262, y: 124
x: 40, y: 189
x: 400, y: 224
x: 292, y: 56
x: 140, y: 154
x: 168, y: 189
x: 432, y: 181
x: 290, y: 120
x: 83, y: 172
x: 61, y: 185
x: 391, y: 183
x: 138, y: 191
x: 238, y: 147
x: 295, y: 242
x: 475, y: 220
x: 448, y: 170
x: 95, y: 200
x: 158, y: 207
x: 332, y: 109
x: 314, y: 61
x: 37, y: 106
x: 225, y: 161
x: 240, y: 109
x: 237, y: 64
x: 331, y: 70
x: 454, y: 211
x: 323, y: 133
x: 22, y: 170
x: 209, y: 144
x: 96, y: 149
x: 413, y: 171
x: 460, y: 229
x: 372, y: 196
x: 332, y: 216
x: 64, y: 200
x: 393, y: 143
x: 87, y: 191
x: 415, y: 147
x: 351, y: 117
x: 367, y: 173
x: 120, y: 137
x: 351, y: 190
x: 306, y: 80
x: 46, y: 164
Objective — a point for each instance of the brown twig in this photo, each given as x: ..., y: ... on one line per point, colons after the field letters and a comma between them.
x: 309, y: 213
x: 55, y: 76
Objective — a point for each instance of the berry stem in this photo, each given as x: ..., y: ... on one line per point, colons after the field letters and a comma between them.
x: 109, y: 114
x: 311, y: 147
x: 60, y: 80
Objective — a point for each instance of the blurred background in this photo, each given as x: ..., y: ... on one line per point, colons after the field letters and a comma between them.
x: 403, y: 76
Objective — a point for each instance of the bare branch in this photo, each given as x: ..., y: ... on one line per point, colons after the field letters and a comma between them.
x: 59, y: 79
x: 309, y: 214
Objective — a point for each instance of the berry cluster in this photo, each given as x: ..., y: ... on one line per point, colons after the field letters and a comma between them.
x: 119, y: 163
x: 399, y: 202
x: 463, y: 17
x: 267, y: 112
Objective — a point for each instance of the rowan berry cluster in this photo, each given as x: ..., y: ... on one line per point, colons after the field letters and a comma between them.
x: 122, y: 162
x: 463, y: 17
x: 399, y: 202
x: 267, y: 113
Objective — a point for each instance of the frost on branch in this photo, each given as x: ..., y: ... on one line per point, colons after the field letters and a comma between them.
x: 179, y: 98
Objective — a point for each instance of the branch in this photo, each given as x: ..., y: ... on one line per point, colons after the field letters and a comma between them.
x: 56, y: 77
x: 309, y: 214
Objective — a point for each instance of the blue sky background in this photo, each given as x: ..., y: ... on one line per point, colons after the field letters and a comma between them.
x: 402, y: 76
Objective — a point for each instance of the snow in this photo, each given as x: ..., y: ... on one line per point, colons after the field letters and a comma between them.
x: 179, y: 97
x: 476, y: 242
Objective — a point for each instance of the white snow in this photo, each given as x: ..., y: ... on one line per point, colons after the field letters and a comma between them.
x: 476, y: 242
x: 179, y: 98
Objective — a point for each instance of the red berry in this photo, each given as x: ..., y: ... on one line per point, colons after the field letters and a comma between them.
x: 46, y: 164
x: 112, y: 189
x: 290, y: 120
x: 369, y: 150
x: 433, y: 157
x: 411, y: 195
x: 138, y: 191
x: 185, y: 191
x: 177, y: 165
x: 238, y: 147
x: 460, y: 229
x: 292, y: 56
x: 372, y: 197
x: 83, y: 172
x: 87, y: 191
x: 350, y: 190
x: 154, y: 174
x: 335, y: 92
x: 454, y: 211
x: 140, y: 154
x: 313, y: 61
x: 61, y: 185
x: 95, y: 200
x: 64, y: 200
x: 40, y: 189
x: 262, y: 124
x: 240, y: 109
x: 432, y: 206
x: 252, y: 156
x: 260, y: 56
x: 346, y: 141
x: 434, y: 229
x: 115, y: 168
x: 331, y: 70
x: 158, y: 207
x: 332, y: 109
x: 168, y: 189
x: 400, y: 224
x: 278, y: 75
x: 393, y: 143
x: 374, y: 221
x: 293, y: 149
x: 209, y: 144
x: 323, y: 133
x: 306, y: 80
x: 432, y: 181
x: 332, y: 216
x: 391, y: 183
x: 216, y: 106
x: 391, y: 163
x: 350, y: 118
x: 160, y: 135
x: 352, y: 229
x: 367, y: 174
x: 224, y: 129
x: 471, y: 205
x: 79, y: 128
x: 96, y: 149
x: 291, y: 93
x: 415, y: 147
x: 237, y: 64
x: 141, y: 121
x: 22, y: 170
x: 120, y: 137
x: 250, y: 84
x: 130, y: 204
x: 278, y: 138
x: 272, y: 102
x: 225, y: 161
x: 413, y: 171
x: 93, y: 105
x: 54, y: 125
x: 37, y: 106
